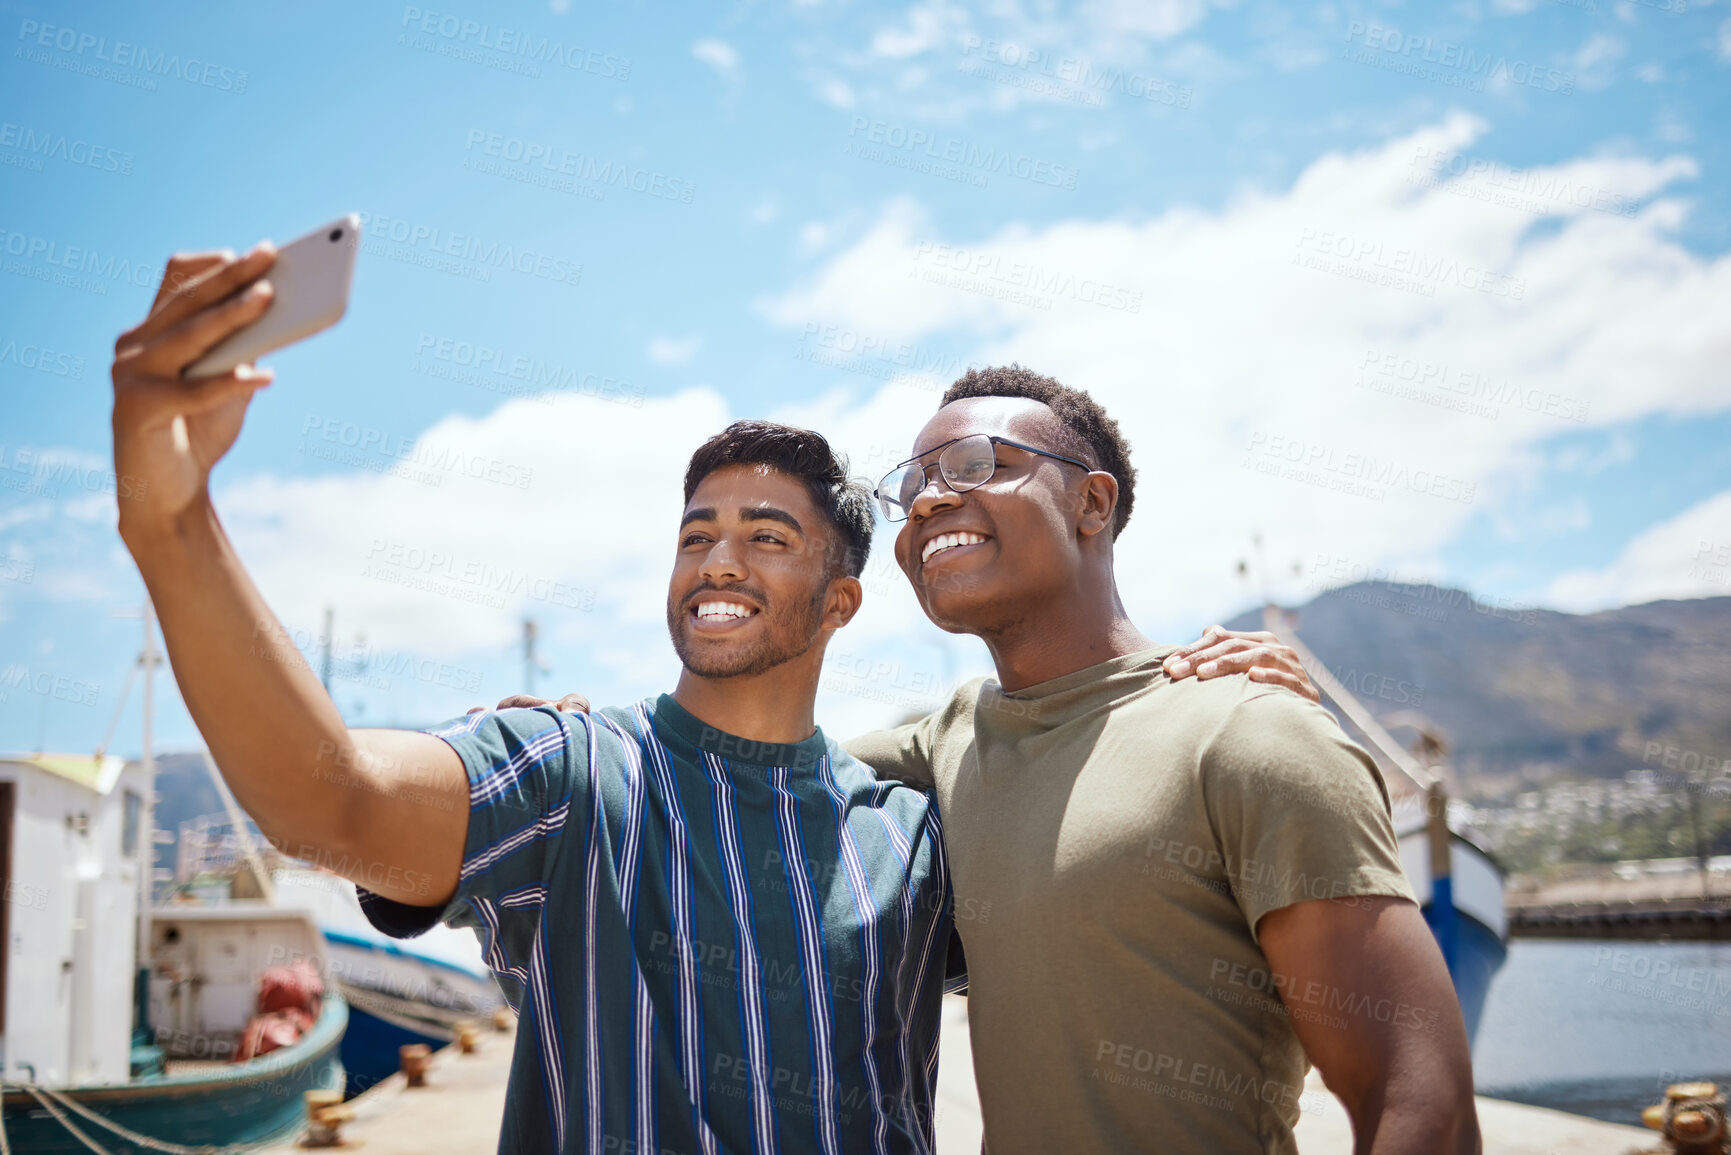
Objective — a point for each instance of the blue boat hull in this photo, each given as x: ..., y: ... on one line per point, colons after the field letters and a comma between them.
x: 1474, y: 954
x: 243, y: 1103
x: 370, y: 1047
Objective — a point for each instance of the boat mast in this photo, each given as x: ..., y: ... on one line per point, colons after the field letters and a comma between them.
x: 147, y: 816
x: 1442, y: 907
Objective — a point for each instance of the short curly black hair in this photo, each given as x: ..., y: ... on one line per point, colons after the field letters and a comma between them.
x: 804, y: 454
x: 1088, y: 432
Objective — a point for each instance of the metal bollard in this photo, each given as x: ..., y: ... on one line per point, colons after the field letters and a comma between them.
x: 468, y: 1038
x: 413, y: 1059
x: 1692, y: 1120
x: 326, y: 1113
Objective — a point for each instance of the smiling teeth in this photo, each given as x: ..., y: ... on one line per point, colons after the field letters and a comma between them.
x: 722, y: 611
x: 948, y: 541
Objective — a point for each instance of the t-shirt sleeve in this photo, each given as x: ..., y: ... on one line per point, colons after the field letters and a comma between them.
x: 900, y: 755
x: 1301, y: 811
x: 528, y: 773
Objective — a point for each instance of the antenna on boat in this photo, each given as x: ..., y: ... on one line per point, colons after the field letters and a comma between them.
x: 532, y: 663
x: 148, y: 659
x: 1427, y: 779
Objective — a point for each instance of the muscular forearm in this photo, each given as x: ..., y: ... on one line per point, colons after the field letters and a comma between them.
x: 1406, y: 1075
x: 1409, y: 1113
x: 268, y: 722
x: 316, y: 789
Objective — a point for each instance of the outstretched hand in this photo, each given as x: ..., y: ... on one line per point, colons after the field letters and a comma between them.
x: 1256, y: 653
x: 169, y: 431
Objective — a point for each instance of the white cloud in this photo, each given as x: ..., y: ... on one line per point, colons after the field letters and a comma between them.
x: 673, y: 351
x: 1154, y: 19
x: 1090, y: 52
x: 813, y: 237
x: 450, y: 569
x: 836, y: 92
x: 1238, y: 354
x: 1232, y: 340
x: 925, y: 27
x: 1688, y: 556
x: 1595, y: 61
x: 719, y: 55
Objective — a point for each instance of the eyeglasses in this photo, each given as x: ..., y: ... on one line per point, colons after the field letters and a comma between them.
x: 965, y: 463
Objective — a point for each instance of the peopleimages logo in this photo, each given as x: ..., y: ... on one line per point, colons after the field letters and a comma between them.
x: 480, y: 255
x: 124, y: 55
x: 580, y: 167
x: 1073, y: 77
x: 511, y: 42
x: 1407, y: 52
x: 1401, y: 266
x: 864, y: 131
x: 39, y: 145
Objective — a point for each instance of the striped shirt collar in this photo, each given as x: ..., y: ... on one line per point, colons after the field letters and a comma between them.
x: 670, y: 716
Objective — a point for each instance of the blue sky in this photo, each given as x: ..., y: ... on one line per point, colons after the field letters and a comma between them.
x: 1435, y: 291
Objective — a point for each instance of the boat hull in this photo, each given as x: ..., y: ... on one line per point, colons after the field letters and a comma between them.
x: 1476, y: 957
x: 1474, y: 939
x: 370, y: 1045
x: 249, y: 1102
x: 396, y: 997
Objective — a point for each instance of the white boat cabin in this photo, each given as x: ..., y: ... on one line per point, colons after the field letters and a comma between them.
x: 71, y: 847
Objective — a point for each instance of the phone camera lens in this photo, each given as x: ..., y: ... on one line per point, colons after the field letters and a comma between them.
x: 336, y: 234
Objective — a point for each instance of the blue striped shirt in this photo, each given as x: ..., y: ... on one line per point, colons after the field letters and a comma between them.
x: 714, y: 944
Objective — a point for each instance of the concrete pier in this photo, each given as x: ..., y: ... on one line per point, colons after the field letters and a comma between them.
x: 1323, y: 1127
x: 459, y: 1109
x: 1508, y: 1128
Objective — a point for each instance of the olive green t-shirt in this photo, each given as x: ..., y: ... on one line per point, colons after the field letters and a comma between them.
x: 1114, y: 838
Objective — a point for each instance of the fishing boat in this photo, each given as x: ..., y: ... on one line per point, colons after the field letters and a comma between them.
x: 73, y: 843
x: 119, y: 1025
x: 398, y: 992
x: 1458, y: 884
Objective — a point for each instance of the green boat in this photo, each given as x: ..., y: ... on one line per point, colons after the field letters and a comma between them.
x: 100, y: 1053
x: 212, y: 1106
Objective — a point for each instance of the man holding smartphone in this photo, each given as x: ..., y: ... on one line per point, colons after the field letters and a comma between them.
x: 1193, y: 879
x: 722, y: 932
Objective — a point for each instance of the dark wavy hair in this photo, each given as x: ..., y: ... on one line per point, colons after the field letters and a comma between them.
x: 1088, y: 432
x: 806, y: 455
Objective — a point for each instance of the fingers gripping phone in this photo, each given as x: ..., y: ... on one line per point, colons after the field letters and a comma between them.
x: 311, y: 280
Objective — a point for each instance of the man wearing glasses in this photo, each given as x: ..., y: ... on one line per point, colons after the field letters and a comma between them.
x: 1193, y: 884
x: 722, y: 933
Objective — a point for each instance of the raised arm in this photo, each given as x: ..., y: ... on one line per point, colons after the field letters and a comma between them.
x: 1372, y: 1003
x: 387, y: 809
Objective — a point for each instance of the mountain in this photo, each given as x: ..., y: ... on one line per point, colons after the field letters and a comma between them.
x: 1524, y: 695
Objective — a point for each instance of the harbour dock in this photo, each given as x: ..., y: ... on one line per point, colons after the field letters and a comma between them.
x: 458, y: 1110
x: 1661, y: 899
x: 1507, y: 1128
x: 1323, y: 1125
x: 463, y: 1102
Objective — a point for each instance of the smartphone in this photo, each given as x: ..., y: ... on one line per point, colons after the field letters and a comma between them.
x: 311, y: 278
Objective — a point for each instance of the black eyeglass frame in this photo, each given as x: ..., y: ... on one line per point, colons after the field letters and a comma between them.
x: 887, y: 503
